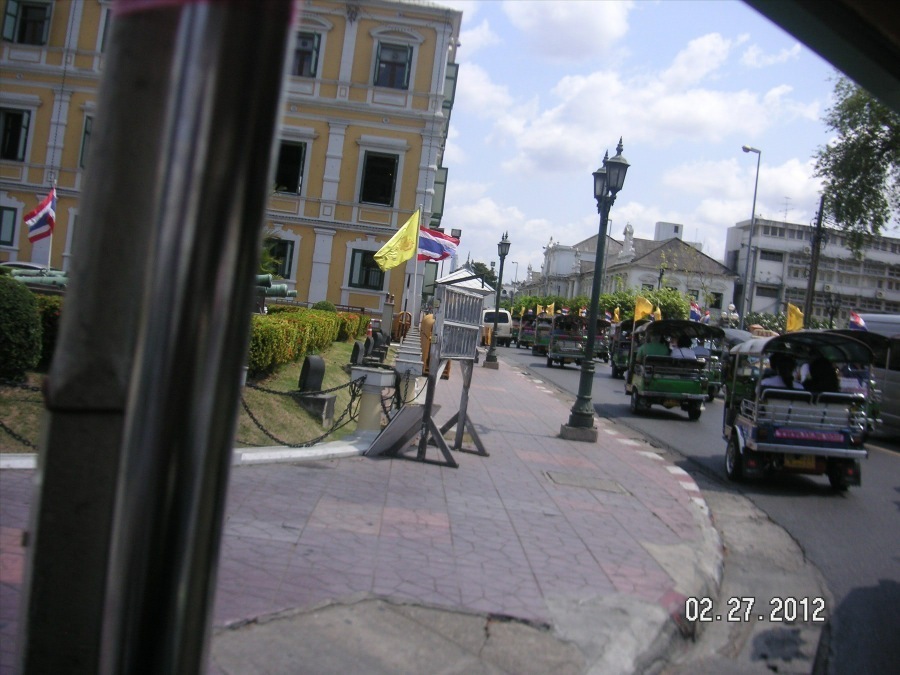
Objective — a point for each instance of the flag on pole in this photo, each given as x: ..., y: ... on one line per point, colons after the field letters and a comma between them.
x: 434, y: 245
x: 705, y: 319
x: 642, y: 308
x: 42, y: 220
x: 857, y: 322
x: 657, y: 314
x: 551, y: 308
x: 609, y: 316
x: 616, y: 315
x: 695, y: 311
x: 401, y: 247
x: 794, y: 319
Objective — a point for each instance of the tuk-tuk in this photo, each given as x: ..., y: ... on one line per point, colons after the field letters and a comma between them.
x: 794, y: 430
x: 542, y: 328
x: 856, y: 378
x: 567, y: 340
x: 601, y: 340
x: 525, y: 337
x: 620, y: 345
x: 668, y: 372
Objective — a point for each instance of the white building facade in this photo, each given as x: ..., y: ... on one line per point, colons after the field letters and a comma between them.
x: 780, y: 262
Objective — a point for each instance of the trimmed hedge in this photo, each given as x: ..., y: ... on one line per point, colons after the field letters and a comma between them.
x: 20, y: 329
x: 50, y: 309
x: 287, y: 334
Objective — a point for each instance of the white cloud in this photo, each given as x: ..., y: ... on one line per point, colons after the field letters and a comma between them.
x: 475, y: 39
x: 754, y: 57
x: 479, y: 96
x: 570, y: 31
x: 701, y: 57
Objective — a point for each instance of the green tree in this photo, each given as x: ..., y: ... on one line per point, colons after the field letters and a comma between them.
x: 490, y: 277
x: 861, y: 167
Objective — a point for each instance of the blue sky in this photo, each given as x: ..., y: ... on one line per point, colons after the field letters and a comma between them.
x: 547, y: 86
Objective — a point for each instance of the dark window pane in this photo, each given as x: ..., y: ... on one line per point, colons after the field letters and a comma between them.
x: 392, y: 69
x: 7, y: 226
x: 13, y: 134
x: 364, y: 271
x: 34, y: 20
x: 379, y: 176
x: 306, y: 55
x: 289, y: 172
x: 283, y: 252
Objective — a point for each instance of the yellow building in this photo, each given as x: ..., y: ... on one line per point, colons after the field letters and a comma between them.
x: 367, y: 99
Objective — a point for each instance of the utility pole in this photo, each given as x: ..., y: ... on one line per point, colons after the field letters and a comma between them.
x: 813, y: 265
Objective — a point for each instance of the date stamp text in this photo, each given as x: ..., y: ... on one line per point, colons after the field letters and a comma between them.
x: 745, y: 609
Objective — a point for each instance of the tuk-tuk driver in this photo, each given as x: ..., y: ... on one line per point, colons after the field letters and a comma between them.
x: 653, y: 347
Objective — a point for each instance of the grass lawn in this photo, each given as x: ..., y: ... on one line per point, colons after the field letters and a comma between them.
x: 21, y: 410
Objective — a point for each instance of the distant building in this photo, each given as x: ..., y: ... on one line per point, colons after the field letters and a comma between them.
x: 780, y: 263
x: 643, y: 264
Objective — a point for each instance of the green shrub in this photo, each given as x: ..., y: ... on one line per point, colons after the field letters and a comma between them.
x: 50, y: 308
x: 20, y: 329
x: 325, y: 306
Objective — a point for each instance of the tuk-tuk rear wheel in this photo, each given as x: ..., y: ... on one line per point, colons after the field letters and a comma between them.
x: 837, y: 479
x: 733, y: 467
x: 694, y: 412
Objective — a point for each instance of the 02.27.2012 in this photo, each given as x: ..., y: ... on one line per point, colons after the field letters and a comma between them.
x: 740, y: 609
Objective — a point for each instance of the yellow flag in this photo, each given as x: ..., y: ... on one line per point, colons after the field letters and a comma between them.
x: 794, y: 318
x: 616, y: 315
x: 551, y: 308
x: 657, y: 314
x: 642, y: 308
x: 540, y: 309
x: 401, y: 247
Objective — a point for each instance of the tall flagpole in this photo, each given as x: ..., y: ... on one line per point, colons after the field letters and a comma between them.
x: 50, y: 247
x: 415, y: 319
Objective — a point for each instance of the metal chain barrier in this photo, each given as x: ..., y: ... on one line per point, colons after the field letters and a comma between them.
x: 25, y: 387
x: 350, y: 412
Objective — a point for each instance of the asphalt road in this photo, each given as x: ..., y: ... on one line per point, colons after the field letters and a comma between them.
x: 852, y: 537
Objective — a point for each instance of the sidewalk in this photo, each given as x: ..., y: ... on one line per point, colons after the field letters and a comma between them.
x: 547, y: 556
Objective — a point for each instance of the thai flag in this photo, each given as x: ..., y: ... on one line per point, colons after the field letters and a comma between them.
x: 609, y: 316
x: 41, y: 221
x: 434, y: 245
x: 696, y: 314
x: 705, y: 318
x: 856, y: 322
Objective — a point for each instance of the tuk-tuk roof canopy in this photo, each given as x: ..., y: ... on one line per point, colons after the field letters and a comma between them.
x: 676, y: 327
x: 735, y: 336
x: 879, y: 344
x: 805, y: 345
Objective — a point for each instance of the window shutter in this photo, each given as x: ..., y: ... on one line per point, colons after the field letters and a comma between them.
x: 9, y: 20
x: 46, y: 35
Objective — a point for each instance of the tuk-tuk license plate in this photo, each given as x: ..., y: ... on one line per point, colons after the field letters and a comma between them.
x: 799, y: 461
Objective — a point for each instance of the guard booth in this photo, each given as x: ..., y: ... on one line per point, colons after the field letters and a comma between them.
x: 458, y: 304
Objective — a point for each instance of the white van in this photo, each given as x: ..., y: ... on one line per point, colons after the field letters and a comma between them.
x: 887, y: 376
x: 504, y: 325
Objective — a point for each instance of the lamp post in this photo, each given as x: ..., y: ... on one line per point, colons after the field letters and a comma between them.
x: 608, y: 180
x: 662, y: 271
x: 747, y: 300
x: 516, y: 275
x: 502, y: 251
x: 832, y: 306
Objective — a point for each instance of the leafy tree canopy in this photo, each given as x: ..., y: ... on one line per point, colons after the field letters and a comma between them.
x: 861, y: 167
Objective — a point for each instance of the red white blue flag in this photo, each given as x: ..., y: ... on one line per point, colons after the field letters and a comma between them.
x: 42, y: 220
x: 695, y: 311
x: 434, y: 245
x: 857, y: 322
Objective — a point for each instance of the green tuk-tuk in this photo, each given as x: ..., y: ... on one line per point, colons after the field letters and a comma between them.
x: 809, y: 430
x: 665, y: 370
x: 620, y: 345
x: 601, y: 339
x: 525, y: 337
x: 542, y: 328
x: 567, y: 340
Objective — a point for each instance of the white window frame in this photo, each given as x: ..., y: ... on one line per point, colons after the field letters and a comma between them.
x: 386, y: 146
x: 12, y: 26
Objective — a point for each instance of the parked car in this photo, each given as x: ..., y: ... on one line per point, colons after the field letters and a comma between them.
x: 503, y: 338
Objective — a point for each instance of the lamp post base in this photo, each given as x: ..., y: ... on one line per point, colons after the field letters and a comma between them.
x: 493, y: 365
x: 583, y: 434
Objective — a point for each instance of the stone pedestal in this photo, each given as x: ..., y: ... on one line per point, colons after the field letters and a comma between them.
x: 377, y: 379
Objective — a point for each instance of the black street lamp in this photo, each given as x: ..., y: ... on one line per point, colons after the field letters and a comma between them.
x: 662, y: 271
x: 608, y: 180
x: 747, y: 298
x: 502, y: 251
x: 832, y: 306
